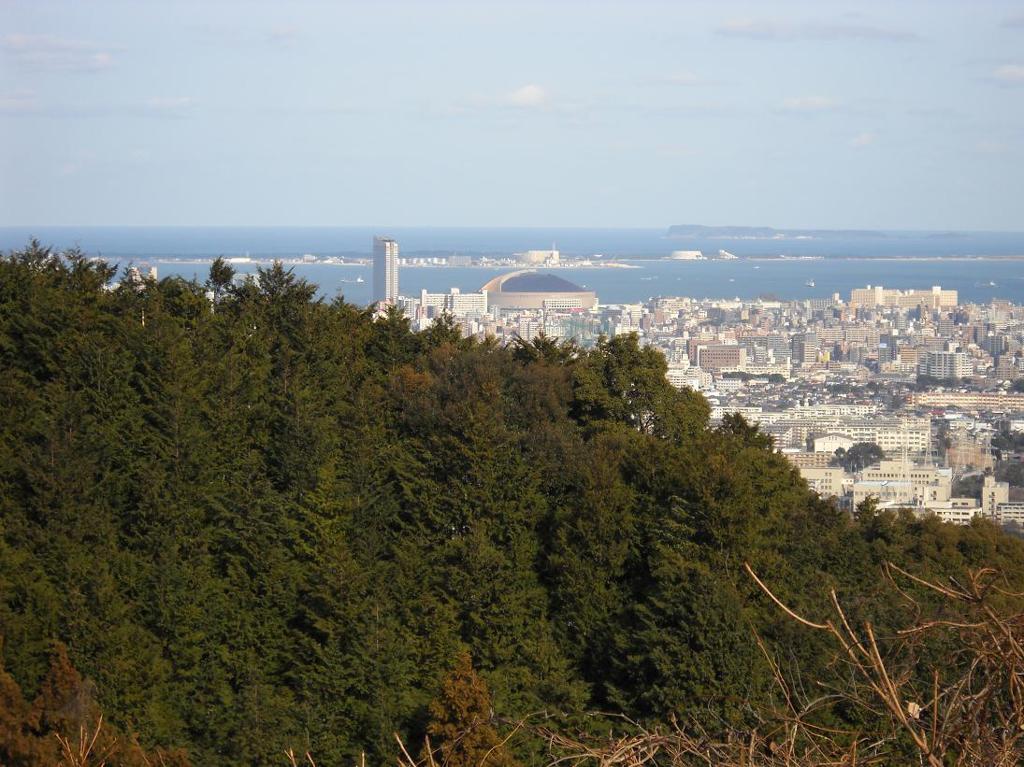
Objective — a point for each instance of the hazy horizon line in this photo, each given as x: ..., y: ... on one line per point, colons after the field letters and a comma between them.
x: 605, y: 227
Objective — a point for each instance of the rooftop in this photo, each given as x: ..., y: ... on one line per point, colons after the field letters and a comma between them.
x: 532, y: 282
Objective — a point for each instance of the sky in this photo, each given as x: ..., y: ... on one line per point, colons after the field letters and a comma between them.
x: 889, y: 115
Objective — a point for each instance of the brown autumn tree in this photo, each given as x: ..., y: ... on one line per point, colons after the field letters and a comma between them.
x: 461, y: 729
x: 65, y: 707
x: 65, y: 702
x: 20, y: 745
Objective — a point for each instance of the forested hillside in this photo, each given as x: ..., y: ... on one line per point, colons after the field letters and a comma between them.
x: 259, y: 520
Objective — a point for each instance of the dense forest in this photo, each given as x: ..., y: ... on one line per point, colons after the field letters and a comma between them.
x: 244, y: 518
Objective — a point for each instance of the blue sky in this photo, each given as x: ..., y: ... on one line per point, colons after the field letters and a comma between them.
x: 790, y: 114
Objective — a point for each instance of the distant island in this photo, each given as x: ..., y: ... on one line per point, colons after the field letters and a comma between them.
x: 770, y: 233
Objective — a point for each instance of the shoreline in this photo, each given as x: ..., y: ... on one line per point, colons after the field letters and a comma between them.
x: 622, y: 263
x: 369, y: 265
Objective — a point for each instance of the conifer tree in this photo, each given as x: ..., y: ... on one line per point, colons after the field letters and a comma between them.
x: 270, y: 521
x: 461, y: 730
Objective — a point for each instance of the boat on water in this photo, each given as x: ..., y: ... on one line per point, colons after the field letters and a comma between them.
x: 809, y: 283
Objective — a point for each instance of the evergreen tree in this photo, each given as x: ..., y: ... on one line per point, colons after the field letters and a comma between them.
x: 266, y: 521
x: 461, y: 733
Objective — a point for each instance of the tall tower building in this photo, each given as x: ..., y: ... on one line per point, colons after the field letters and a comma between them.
x: 385, y: 269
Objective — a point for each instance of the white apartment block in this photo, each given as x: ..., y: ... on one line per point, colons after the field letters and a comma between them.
x: 1000, y: 401
x: 894, y: 435
x: 876, y: 295
x: 455, y: 302
x: 941, y: 364
x: 689, y: 378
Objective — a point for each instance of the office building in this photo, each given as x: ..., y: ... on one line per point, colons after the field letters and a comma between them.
x: 993, y: 494
x: 718, y: 357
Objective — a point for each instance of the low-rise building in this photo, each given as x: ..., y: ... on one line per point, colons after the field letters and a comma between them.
x: 804, y: 460
x: 904, y: 484
x: 828, y: 481
x: 829, y: 443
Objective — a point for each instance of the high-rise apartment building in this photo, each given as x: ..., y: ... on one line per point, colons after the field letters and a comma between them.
x: 805, y: 348
x: 946, y: 364
x: 385, y: 270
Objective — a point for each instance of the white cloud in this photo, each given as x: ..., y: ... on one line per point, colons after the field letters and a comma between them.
x: 45, y: 53
x: 767, y: 29
x: 1009, y: 74
x: 808, y: 104
x: 529, y: 96
x: 863, y: 139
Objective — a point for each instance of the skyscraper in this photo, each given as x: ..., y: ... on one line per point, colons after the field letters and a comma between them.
x: 385, y: 269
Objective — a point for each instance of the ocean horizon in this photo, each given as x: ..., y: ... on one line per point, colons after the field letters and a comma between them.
x: 617, y: 242
x: 894, y: 259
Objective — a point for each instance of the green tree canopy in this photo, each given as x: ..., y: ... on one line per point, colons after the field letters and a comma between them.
x: 263, y: 520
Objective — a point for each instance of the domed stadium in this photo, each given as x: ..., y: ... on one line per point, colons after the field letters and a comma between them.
x: 528, y: 289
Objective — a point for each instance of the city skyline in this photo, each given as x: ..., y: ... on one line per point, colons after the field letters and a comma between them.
x: 520, y: 382
x: 838, y: 115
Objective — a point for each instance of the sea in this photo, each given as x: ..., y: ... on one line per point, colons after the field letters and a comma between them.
x: 982, y: 266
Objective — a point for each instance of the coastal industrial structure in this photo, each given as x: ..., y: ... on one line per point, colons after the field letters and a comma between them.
x: 528, y: 289
x: 535, y: 257
x: 385, y: 270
